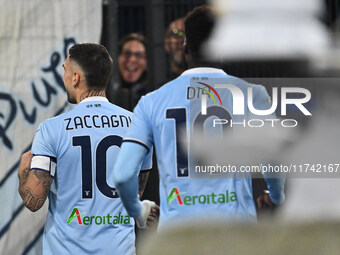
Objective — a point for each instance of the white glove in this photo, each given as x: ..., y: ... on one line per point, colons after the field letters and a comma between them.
x: 141, y: 219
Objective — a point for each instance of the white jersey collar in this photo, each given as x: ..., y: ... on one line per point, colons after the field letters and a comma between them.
x: 96, y: 98
x: 203, y: 70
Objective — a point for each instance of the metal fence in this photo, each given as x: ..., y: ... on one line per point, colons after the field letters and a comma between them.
x: 150, y: 18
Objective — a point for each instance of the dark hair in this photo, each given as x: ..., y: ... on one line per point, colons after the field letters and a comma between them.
x: 95, y: 61
x: 131, y: 37
x: 198, y: 25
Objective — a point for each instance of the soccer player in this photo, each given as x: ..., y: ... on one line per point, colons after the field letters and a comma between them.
x: 72, y: 160
x: 158, y: 118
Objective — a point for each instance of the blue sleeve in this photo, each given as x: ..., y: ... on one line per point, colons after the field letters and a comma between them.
x: 141, y: 130
x: 262, y: 100
x: 276, y: 189
x: 147, y: 163
x: 125, y: 175
x: 43, y: 143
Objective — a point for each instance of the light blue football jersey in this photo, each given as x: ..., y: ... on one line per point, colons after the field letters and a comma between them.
x: 157, y: 120
x: 85, y: 214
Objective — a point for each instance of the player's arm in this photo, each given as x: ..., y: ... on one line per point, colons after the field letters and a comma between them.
x: 274, y: 195
x: 34, y: 185
x: 264, y: 201
x: 152, y: 218
x: 142, y: 180
x: 125, y: 176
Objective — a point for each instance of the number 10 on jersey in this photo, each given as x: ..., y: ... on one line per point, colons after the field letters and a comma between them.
x: 86, y: 164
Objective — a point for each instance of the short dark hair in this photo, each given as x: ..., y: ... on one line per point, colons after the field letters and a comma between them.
x: 95, y: 61
x: 198, y: 25
x: 131, y: 37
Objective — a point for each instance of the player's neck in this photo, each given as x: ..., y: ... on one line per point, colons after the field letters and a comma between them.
x: 176, y: 69
x: 203, y: 63
x: 91, y: 92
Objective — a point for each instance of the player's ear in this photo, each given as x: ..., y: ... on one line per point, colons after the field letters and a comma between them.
x: 76, y: 79
x: 185, y: 55
x: 185, y: 47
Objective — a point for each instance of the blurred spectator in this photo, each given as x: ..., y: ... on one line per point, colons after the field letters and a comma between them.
x: 132, y: 66
x: 173, y: 45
